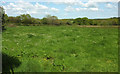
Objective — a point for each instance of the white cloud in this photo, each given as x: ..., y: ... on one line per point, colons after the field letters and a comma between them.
x: 22, y: 7
x: 55, y: 9
x: 60, y: 0
x: 104, y: 0
x: 78, y: 2
x: 64, y: 0
x: 77, y: 9
x: 81, y: 9
x: 69, y: 9
x: 110, y: 6
x: 83, y: 6
x: 90, y: 4
x: 69, y: 2
x: 94, y: 9
x: 37, y: 5
x: 82, y: 0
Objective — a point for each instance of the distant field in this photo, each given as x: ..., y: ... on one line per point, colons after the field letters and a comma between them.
x: 61, y: 49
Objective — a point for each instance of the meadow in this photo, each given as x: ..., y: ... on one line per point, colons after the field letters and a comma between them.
x: 60, y: 49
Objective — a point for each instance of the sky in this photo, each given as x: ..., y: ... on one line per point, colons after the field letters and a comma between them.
x: 63, y: 9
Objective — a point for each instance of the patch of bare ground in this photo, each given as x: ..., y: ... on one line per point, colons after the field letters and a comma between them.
x: 94, y: 26
x: 12, y: 25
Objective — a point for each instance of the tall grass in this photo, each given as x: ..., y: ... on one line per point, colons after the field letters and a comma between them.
x: 62, y: 49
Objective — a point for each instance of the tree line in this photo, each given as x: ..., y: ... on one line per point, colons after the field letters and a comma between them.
x: 27, y: 20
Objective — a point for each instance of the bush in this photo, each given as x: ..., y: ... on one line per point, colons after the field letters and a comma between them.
x: 50, y: 20
x: 69, y: 22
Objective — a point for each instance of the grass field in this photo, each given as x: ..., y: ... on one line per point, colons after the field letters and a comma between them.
x: 60, y: 49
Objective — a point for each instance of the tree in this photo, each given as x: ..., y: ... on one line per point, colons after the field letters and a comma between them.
x: 2, y: 19
x: 6, y: 18
x: 54, y: 20
x: 50, y: 20
x: 115, y: 22
x: 69, y: 22
x: 91, y: 22
x: 78, y: 21
x: 25, y: 19
x: 85, y: 21
x: 44, y: 21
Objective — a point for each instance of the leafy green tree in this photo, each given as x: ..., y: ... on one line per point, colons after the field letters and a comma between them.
x: 91, y: 22
x: 69, y: 22
x: 115, y: 22
x: 50, y: 20
x: 78, y: 21
x: 44, y: 21
x: 54, y: 20
x: 82, y: 21
x: 85, y: 21
x: 26, y: 19
x: 2, y: 19
x: 6, y: 18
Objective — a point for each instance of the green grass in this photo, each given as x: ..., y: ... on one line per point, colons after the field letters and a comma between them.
x: 62, y: 49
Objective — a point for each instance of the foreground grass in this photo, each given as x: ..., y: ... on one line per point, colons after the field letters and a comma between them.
x: 62, y: 49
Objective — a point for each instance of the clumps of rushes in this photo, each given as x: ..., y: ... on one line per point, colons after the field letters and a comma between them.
x: 47, y: 57
x: 30, y: 35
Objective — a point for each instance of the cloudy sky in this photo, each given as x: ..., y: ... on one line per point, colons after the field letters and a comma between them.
x: 62, y: 8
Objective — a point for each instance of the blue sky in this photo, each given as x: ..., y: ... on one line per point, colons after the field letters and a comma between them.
x: 63, y: 9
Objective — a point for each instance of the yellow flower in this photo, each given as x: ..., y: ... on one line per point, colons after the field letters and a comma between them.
x: 109, y: 61
x: 45, y: 59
